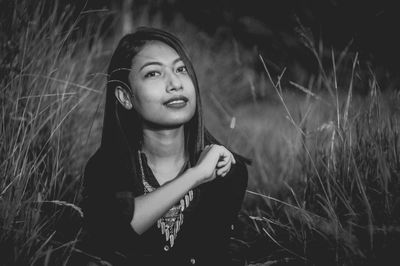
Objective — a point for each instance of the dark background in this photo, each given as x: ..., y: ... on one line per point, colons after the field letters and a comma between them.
x: 368, y: 27
x: 371, y: 25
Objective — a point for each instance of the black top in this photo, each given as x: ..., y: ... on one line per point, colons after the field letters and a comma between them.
x: 108, y: 205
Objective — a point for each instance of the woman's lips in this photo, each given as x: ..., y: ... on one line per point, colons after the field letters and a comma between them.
x: 177, y: 102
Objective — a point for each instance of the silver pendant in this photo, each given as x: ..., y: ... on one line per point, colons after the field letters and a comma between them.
x: 191, y: 195
x: 187, y: 200
x: 182, y: 205
x: 167, y: 233
x: 162, y: 227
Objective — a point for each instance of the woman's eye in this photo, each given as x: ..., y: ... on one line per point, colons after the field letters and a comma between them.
x: 181, y: 69
x: 151, y: 74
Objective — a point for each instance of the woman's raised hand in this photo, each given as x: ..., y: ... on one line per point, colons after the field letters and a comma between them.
x: 215, y: 160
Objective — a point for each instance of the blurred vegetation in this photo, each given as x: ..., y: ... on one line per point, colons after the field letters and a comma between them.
x: 324, y: 184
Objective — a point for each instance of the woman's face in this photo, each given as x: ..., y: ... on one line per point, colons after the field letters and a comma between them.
x: 163, y: 92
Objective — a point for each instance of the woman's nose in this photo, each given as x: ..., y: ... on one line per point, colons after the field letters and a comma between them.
x: 174, y: 82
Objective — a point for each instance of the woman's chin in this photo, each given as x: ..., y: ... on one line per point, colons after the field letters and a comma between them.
x: 167, y: 124
x: 175, y: 123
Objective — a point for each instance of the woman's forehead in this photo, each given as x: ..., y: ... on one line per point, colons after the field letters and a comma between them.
x: 156, y: 51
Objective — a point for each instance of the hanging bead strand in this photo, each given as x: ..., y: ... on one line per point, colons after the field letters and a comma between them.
x: 171, y: 222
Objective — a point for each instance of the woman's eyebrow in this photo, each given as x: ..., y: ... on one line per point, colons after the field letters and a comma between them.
x: 177, y: 60
x: 159, y: 63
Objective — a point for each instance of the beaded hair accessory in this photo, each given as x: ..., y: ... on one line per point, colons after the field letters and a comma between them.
x: 171, y: 222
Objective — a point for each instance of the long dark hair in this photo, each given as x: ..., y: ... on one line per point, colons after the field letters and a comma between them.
x: 122, y: 128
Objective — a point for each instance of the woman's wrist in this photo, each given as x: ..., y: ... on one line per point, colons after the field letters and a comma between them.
x: 193, y: 175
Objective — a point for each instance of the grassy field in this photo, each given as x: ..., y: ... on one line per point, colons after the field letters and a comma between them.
x: 324, y: 185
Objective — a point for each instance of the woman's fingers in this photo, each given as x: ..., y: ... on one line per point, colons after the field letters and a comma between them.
x: 224, y: 159
x: 224, y: 170
x: 233, y: 159
x: 215, y: 160
x: 221, y: 164
x: 225, y: 162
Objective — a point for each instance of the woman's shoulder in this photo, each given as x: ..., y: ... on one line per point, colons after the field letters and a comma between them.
x: 104, y: 166
x: 95, y: 168
x: 96, y: 163
x: 235, y: 181
x: 238, y: 175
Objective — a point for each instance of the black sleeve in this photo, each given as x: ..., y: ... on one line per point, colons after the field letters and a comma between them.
x: 224, y: 196
x: 108, y: 207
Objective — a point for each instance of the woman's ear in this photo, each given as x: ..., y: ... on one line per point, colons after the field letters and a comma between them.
x: 123, y: 97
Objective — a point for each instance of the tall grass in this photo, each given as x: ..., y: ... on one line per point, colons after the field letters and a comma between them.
x: 342, y: 205
x: 48, y: 71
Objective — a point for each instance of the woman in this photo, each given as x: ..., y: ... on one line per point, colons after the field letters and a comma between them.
x: 160, y: 189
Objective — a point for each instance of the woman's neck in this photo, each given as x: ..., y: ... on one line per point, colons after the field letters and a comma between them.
x: 164, y: 147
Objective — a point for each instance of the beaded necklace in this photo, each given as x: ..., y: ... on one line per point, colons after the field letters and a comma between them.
x: 171, y: 222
